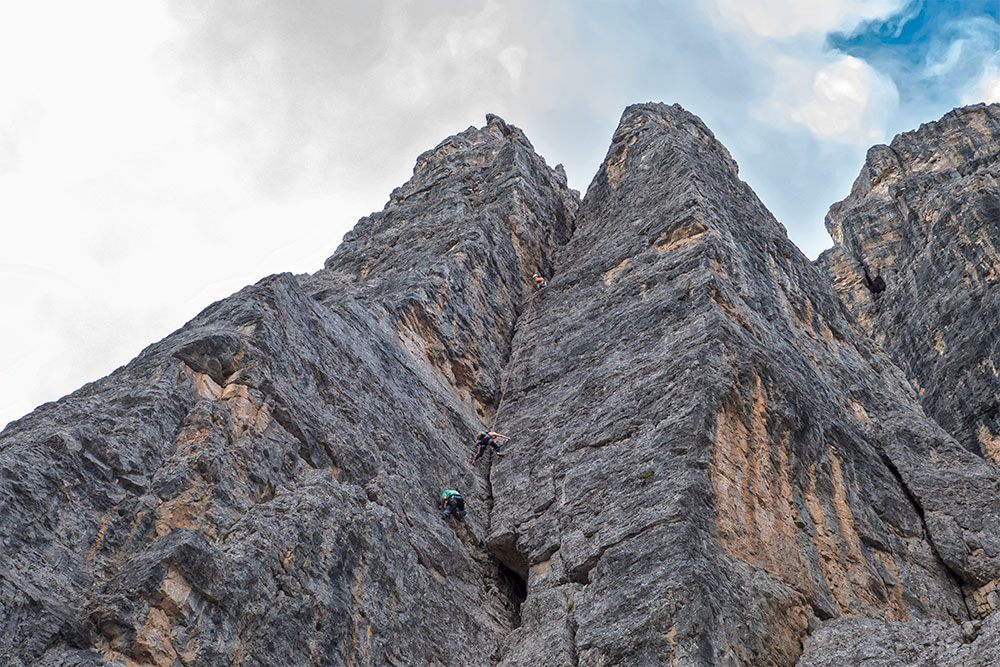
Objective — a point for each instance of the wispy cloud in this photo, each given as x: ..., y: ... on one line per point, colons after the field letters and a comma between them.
x: 936, y: 53
x: 156, y: 156
x: 987, y: 89
x: 840, y: 99
x: 781, y: 19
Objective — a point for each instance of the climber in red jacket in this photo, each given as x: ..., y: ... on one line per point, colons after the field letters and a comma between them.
x: 539, y: 281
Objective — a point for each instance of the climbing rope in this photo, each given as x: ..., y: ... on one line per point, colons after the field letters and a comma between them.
x: 505, y: 383
x: 513, y: 361
x: 468, y: 469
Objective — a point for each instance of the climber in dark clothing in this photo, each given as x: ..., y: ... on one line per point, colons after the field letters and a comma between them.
x: 539, y: 281
x: 452, y: 503
x: 486, y: 439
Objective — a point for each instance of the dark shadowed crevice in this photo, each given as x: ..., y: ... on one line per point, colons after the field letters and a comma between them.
x: 573, y: 626
x: 820, y: 613
x: 516, y: 589
x: 581, y: 574
x: 956, y: 579
x: 875, y: 285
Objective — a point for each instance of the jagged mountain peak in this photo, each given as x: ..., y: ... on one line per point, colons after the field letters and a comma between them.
x: 959, y: 140
x: 495, y: 144
x: 709, y: 464
x: 963, y: 141
x: 652, y: 123
x: 917, y: 259
x: 472, y: 174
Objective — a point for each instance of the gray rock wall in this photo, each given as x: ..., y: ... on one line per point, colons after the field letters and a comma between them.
x: 710, y: 464
x: 875, y: 643
x: 260, y: 488
x: 916, y: 259
x: 709, y: 456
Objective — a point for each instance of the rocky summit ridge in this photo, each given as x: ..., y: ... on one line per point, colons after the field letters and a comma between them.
x: 917, y: 259
x: 721, y: 454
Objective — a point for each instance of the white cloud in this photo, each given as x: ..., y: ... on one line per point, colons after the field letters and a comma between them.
x: 990, y: 87
x: 837, y: 98
x: 779, y: 19
x: 980, y: 38
x: 122, y: 217
x: 943, y: 63
x: 987, y: 88
x: 843, y: 100
x: 439, y: 66
x: 513, y: 59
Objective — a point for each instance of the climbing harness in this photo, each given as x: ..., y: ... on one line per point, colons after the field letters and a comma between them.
x: 452, y: 503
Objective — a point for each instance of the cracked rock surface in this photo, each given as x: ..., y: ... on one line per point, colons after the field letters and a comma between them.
x: 916, y: 262
x: 260, y: 487
x: 711, y: 462
x: 709, y: 455
x: 917, y: 259
x: 876, y: 643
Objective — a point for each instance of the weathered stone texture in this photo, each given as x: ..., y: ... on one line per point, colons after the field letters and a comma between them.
x: 260, y: 487
x: 451, y: 255
x: 875, y: 643
x: 709, y: 454
x: 710, y: 464
x: 917, y: 259
x: 916, y: 263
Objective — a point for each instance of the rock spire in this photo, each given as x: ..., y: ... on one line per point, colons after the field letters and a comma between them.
x: 917, y: 258
x: 712, y: 462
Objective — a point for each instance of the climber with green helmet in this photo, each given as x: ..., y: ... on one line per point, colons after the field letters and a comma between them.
x: 452, y: 503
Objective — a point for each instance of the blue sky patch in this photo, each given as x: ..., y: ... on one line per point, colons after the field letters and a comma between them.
x: 931, y: 50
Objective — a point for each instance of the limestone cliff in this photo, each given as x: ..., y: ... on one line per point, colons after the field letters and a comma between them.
x: 917, y: 258
x: 260, y: 487
x: 916, y: 262
x: 711, y: 464
x: 712, y: 455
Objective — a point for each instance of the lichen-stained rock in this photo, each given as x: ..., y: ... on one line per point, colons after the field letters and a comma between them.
x: 707, y: 453
x: 917, y: 259
x: 260, y: 487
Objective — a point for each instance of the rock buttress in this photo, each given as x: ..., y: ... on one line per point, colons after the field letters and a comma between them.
x: 917, y: 259
x: 450, y: 258
x: 260, y: 487
x: 708, y: 455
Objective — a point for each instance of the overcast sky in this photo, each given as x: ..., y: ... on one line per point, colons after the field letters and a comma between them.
x: 156, y: 156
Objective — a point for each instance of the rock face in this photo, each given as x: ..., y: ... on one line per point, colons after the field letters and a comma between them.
x: 872, y: 643
x: 260, y: 487
x: 710, y: 464
x: 917, y: 259
x: 916, y: 262
x: 710, y: 455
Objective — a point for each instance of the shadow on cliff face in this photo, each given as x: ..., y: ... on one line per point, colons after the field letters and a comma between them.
x: 516, y: 590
